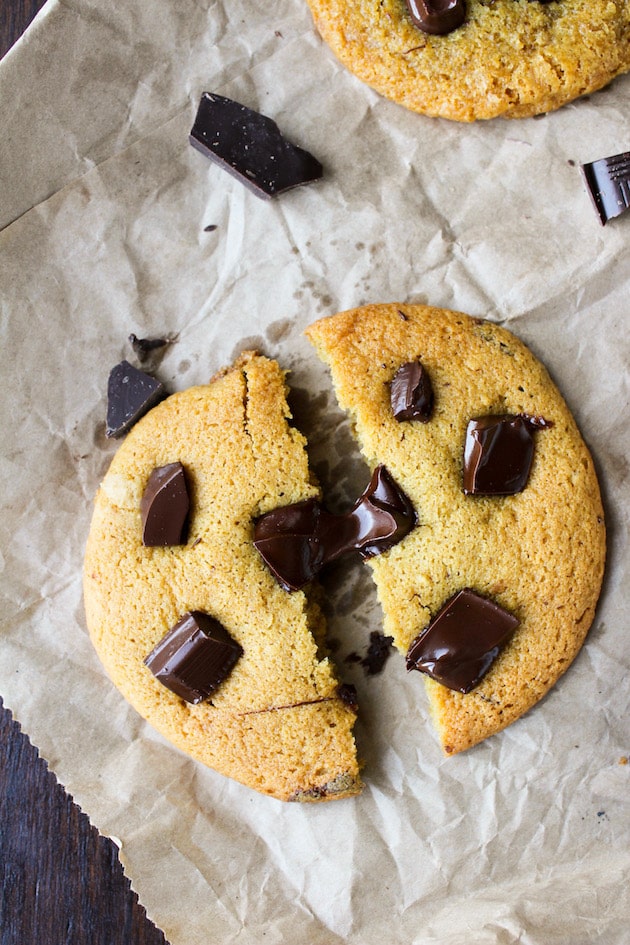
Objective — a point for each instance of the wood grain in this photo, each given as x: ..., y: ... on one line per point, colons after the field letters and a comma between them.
x: 61, y: 882
x: 15, y: 16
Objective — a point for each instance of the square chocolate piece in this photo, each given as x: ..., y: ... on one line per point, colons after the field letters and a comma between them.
x: 194, y: 657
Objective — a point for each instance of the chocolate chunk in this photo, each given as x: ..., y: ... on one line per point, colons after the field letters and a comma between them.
x: 164, y: 507
x: 296, y: 541
x: 289, y: 541
x: 437, y: 17
x: 130, y: 394
x: 194, y: 657
x: 498, y: 453
x: 251, y: 147
x: 411, y: 393
x: 608, y: 182
x: 462, y: 641
x: 384, y: 513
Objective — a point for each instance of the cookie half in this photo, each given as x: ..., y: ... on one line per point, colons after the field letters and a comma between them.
x: 278, y: 721
x: 512, y: 58
x: 537, y: 554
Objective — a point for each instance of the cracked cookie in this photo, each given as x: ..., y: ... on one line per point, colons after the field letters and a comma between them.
x: 510, y: 58
x: 198, y: 635
x: 492, y: 594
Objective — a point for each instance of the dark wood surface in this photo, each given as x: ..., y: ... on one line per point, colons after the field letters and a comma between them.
x: 61, y: 882
x: 15, y: 15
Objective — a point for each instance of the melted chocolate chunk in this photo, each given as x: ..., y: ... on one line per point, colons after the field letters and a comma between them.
x: 385, y: 515
x: 437, y: 17
x: 194, y: 657
x: 130, y: 394
x: 462, y: 641
x: 164, y: 507
x: 289, y: 541
x: 411, y: 393
x: 296, y: 541
x: 608, y: 182
x: 251, y: 147
x: 498, y: 453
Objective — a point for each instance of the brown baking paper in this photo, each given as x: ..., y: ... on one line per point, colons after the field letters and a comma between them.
x: 524, y: 839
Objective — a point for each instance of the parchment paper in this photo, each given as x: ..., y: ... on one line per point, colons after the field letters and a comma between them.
x: 526, y: 838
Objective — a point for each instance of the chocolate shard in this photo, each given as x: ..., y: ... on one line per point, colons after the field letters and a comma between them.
x: 296, y: 541
x: 130, y: 394
x: 251, y: 147
x: 462, y: 641
x: 498, y: 453
x: 194, y: 657
x: 411, y: 393
x: 164, y: 507
x: 608, y: 183
x: 145, y: 347
x: 437, y: 17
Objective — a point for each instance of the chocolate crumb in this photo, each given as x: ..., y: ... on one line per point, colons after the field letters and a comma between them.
x: 348, y: 694
x: 352, y: 658
x: 379, y: 651
x: 145, y: 347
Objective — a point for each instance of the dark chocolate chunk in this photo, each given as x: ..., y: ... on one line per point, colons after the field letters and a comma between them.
x: 462, y: 641
x: 411, y: 393
x: 130, y: 394
x: 498, y: 453
x: 437, y: 17
x: 144, y: 347
x: 296, y: 541
x: 385, y: 515
x: 288, y: 540
x: 194, y: 657
x: 251, y: 147
x: 164, y: 507
x: 608, y: 182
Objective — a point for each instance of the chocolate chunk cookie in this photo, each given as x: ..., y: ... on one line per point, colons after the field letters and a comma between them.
x: 513, y: 58
x: 198, y: 635
x: 492, y: 594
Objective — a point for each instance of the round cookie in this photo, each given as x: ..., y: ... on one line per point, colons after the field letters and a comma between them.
x: 278, y: 722
x: 511, y: 58
x: 539, y: 553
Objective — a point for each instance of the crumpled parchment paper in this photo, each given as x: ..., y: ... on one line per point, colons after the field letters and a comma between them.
x: 526, y: 838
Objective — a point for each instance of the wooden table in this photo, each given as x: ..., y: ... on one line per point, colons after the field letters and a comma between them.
x: 61, y: 881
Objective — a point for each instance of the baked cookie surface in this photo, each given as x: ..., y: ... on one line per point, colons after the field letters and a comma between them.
x: 539, y: 554
x: 511, y: 58
x: 277, y: 723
